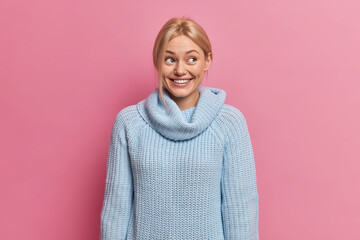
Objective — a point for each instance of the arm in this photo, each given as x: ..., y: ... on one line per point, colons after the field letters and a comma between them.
x: 117, y: 204
x: 239, y: 204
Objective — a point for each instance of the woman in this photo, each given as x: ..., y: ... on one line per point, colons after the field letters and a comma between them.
x: 180, y: 163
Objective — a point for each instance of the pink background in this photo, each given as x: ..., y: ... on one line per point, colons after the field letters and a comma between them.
x: 68, y: 67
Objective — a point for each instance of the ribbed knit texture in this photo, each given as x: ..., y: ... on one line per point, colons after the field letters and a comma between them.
x: 180, y: 174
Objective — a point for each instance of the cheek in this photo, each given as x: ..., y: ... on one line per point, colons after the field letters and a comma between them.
x: 198, y: 71
x: 166, y: 70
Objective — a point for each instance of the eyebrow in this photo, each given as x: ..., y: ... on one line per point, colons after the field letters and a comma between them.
x: 186, y: 52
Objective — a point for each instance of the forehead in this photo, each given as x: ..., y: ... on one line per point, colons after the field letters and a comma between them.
x: 182, y: 44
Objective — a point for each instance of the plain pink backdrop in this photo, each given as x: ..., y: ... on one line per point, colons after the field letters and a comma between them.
x: 68, y: 67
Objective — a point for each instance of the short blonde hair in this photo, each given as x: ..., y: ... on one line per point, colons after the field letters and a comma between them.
x: 174, y: 27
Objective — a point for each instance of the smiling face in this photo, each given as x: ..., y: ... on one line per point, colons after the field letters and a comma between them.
x: 183, y: 69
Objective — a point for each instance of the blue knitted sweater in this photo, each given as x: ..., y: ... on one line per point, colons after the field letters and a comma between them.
x: 180, y: 174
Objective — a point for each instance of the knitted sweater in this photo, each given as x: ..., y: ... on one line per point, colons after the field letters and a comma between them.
x: 180, y: 174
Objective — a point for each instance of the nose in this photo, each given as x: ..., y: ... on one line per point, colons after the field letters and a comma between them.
x: 180, y: 68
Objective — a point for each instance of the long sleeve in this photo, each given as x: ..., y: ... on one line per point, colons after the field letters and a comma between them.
x: 239, y: 195
x: 118, y: 198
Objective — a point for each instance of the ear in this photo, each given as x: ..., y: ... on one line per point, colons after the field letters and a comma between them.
x: 208, y: 61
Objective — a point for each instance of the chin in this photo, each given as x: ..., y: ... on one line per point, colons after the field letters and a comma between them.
x: 179, y: 93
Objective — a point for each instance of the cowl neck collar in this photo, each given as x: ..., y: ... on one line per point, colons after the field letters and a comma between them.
x: 171, y: 123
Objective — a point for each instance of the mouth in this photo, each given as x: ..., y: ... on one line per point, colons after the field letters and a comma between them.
x: 181, y: 82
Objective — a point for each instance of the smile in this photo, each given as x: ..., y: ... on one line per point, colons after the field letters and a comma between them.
x: 181, y: 80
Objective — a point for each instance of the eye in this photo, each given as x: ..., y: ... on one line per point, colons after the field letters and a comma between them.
x: 169, y: 58
x: 193, y: 60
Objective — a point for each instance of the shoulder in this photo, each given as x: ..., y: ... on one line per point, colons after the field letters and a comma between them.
x: 232, y: 122
x: 126, y: 123
x: 231, y: 116
x: 127, y: 112
x: 127, y: 116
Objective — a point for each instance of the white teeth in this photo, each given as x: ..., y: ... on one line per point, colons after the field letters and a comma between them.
x: 181, y: 81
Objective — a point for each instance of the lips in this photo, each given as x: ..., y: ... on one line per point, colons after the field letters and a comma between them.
x: 181, y: 84
x: 172, y: 79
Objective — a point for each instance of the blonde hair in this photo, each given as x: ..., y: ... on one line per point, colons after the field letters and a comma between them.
x: 174, y: 27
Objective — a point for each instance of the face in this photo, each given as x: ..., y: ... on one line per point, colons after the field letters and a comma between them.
x: 183, y: 69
